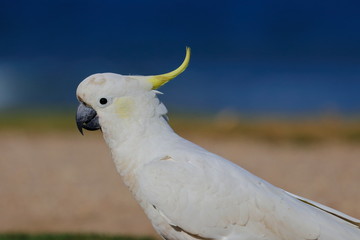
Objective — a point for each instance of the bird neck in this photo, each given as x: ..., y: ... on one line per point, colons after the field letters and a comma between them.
x: 151, y: 135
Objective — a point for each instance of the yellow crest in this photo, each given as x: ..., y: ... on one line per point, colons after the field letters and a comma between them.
x: 159, y: 80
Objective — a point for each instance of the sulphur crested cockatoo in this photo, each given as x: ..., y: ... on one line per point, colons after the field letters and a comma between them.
x: 186, y: 191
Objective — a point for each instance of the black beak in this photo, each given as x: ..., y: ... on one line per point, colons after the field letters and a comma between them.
x: 87, y: 118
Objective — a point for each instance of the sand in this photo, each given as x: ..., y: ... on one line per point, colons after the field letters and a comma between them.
x: 65, y: 182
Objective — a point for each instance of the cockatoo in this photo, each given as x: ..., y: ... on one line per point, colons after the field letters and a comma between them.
x: 187, y: 192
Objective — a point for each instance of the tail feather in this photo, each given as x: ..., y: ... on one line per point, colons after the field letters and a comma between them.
x: 343, y: 216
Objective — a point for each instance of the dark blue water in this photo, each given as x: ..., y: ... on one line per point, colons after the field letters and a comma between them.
x: 270, y: 87
x: 243, y: 85
x: 266, y: 57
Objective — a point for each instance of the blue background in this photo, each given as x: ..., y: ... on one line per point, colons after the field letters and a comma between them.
x: 254, y: 57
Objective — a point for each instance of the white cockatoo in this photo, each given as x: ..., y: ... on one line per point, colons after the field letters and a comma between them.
x: 186, y: 191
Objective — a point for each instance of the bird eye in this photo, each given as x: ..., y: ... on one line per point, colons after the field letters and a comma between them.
x: 103, y: 101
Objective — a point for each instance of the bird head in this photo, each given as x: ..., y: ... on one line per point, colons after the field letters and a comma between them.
x: 123, y: 97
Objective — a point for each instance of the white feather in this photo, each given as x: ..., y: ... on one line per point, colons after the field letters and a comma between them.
x: 189, y: 193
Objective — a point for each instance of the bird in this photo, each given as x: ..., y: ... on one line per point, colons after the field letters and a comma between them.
x: 187, y: 192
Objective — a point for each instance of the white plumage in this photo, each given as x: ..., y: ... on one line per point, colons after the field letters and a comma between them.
x: 186, y: 191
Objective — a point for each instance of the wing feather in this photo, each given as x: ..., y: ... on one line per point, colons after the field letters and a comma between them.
x: 343, y: 216
x: 210, y: 197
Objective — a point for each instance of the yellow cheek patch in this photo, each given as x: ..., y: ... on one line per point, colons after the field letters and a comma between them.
x: 124, y: 107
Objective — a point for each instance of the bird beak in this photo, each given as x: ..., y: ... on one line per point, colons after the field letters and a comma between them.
x: 87, y: 118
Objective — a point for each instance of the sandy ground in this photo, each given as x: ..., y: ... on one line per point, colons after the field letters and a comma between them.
x: 63, y: 182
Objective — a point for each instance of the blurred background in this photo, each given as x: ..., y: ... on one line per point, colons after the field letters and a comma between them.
x: 272, y: 85
x: 262, y: 57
